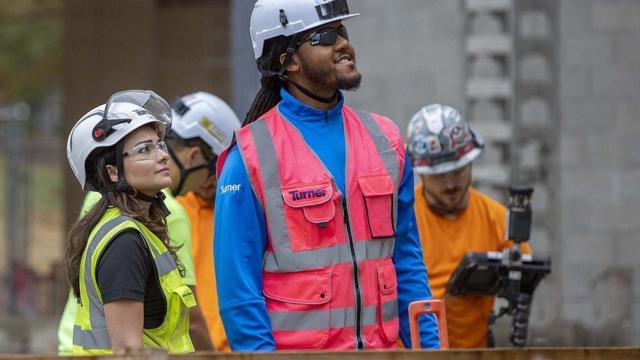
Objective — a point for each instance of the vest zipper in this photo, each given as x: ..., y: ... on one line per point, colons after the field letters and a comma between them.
x: 356, y: 277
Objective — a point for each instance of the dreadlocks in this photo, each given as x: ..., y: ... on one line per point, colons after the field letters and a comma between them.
x: 269, y: 94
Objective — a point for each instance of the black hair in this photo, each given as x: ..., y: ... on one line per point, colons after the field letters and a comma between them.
x: 177, y: 143
x: 269, y: 94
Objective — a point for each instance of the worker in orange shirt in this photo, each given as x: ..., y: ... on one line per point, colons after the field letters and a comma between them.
x: 453, y: 218
x: 207, y: 118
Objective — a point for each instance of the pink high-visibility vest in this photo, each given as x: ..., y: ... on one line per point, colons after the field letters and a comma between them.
x: 328, y: 278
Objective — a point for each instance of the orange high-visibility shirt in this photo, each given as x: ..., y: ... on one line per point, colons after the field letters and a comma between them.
x: 200, y: 212
x: 479, y: 228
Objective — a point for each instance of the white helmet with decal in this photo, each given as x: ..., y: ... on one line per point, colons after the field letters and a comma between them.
x: 205, y: 116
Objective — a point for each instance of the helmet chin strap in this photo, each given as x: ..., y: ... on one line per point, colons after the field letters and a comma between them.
x: 122, y: 186
x: 282, y: 76
x: 310, y: 94
x: 157, y: 199
x: 184, y: 172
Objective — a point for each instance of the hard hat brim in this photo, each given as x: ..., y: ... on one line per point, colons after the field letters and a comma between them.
x: 448, y: 166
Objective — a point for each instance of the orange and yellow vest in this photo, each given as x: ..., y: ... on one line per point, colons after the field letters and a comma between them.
x: 328, y: 278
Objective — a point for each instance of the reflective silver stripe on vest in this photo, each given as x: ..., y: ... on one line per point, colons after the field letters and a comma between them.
x: 273, y: 203
x: 333, y: 318
x: 97, y: 337
x: 387, y: 153
x: 338, y: 254
x: 390, y: 310
x: 91, y: 339
x: 164, y: 262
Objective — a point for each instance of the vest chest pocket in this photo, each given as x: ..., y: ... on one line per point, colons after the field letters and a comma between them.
x: 174, y: 331
x: 183, y: 300
x: 311, y: 217
x: 377, y: 192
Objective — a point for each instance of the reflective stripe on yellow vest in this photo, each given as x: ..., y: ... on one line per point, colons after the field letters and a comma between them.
x: 90, y: 334
x: 316, y: 234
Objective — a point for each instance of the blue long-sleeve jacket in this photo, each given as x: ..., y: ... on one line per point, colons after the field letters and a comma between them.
x: 240, y: 236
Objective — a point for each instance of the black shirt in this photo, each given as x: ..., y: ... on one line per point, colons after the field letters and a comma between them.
x: 126, y: 270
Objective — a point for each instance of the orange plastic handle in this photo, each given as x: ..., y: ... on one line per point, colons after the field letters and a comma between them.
x: 421, y: 307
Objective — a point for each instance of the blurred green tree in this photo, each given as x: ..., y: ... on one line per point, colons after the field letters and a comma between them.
x: 30, y: 49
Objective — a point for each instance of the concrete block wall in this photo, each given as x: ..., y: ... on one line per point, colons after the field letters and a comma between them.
x: 409, y: 53
x: 600, y: 158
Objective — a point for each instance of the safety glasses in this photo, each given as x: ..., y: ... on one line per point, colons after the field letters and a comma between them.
x: 150, y: 102
x: 147, y: 150
x: 327, y: 36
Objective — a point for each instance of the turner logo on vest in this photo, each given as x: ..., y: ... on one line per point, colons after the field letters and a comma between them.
x: 228, y: 188
x: 297, y: 195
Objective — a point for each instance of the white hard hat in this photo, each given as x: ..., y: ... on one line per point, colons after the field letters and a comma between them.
x: 440, y: 140
x: 273, y: 18
x: 205, y: 116
x: 127, y: 111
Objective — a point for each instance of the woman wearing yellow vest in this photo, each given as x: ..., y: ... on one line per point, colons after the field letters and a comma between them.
x: 120, y: 264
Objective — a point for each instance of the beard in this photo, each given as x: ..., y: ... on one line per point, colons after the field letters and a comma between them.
x: 328, y: 76
x: 349, y: 82
x: 447, y: 201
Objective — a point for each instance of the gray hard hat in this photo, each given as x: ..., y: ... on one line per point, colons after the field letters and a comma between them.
x: 440, y: 140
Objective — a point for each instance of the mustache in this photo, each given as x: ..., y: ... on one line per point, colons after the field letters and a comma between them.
x: 344, y: 52
x: 452, y: 191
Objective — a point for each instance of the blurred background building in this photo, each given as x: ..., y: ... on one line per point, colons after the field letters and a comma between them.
x: 552, y: 85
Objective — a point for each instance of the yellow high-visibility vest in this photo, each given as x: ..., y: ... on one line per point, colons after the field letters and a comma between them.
x: 90, y: 335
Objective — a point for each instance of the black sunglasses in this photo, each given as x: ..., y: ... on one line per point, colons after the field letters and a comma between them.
x: 327, y: 36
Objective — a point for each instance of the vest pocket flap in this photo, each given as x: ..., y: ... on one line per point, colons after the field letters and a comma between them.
x: 376, y: 185
x: 307, y: 195
x: 185, y: 293
x: 320, y: 213
x: 306, y: 287
x: 387, y: 280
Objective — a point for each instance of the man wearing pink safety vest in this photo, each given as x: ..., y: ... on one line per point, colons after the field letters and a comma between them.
x: 316, y: 244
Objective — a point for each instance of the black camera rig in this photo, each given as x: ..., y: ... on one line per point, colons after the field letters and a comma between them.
x: 509, y: 274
